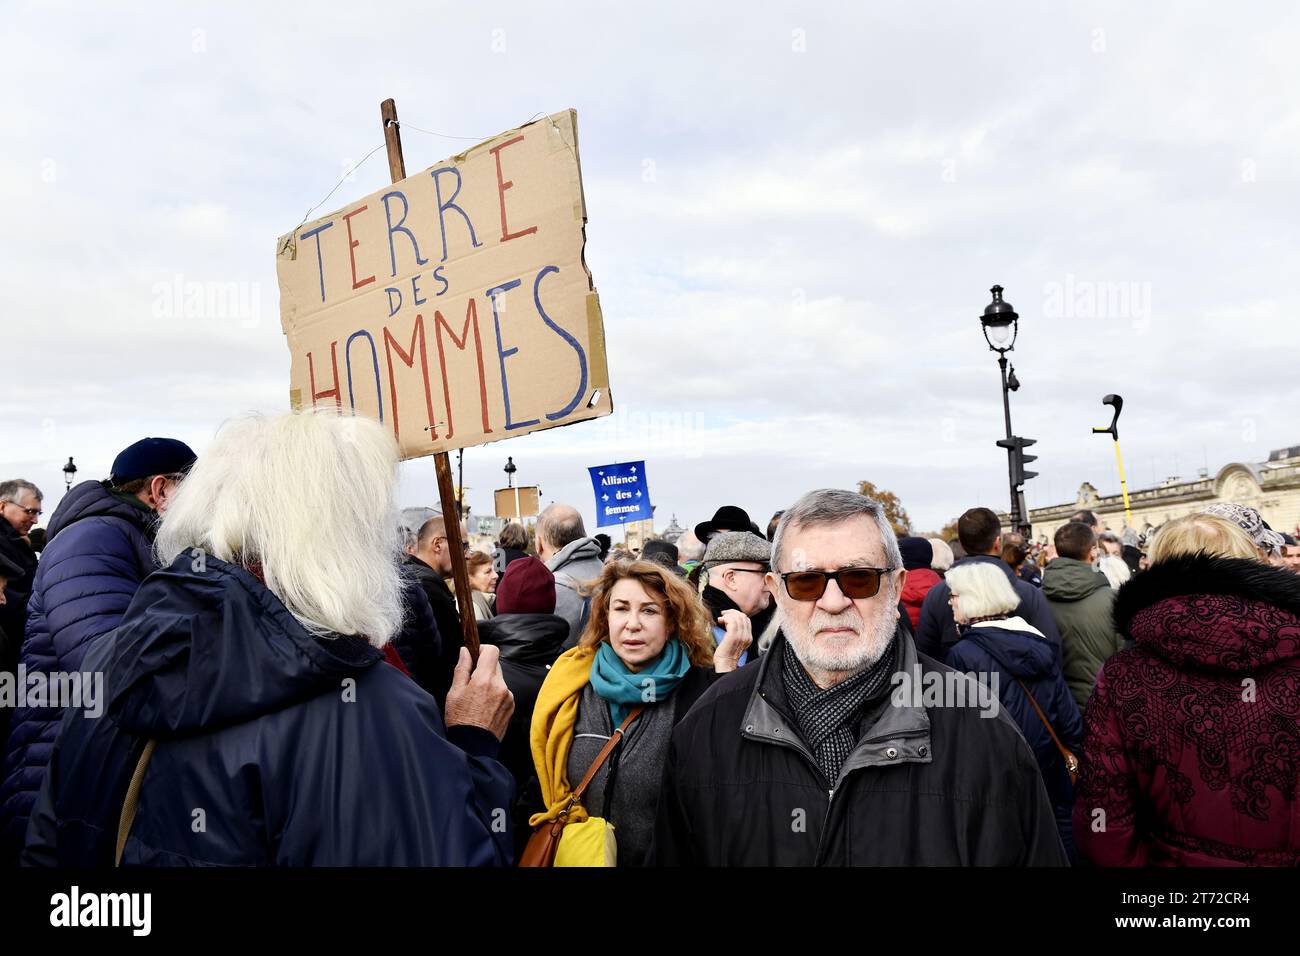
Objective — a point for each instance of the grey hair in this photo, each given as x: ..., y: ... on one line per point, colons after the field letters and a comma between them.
x: 832, y: 506
x: 560, y: 525
x: 9, y: 490
x: 689, y: 547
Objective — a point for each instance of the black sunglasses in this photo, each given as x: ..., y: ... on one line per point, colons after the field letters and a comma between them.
x: 855, y: 583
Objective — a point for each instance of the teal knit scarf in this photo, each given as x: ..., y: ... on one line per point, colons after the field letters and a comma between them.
x: 624, y: 690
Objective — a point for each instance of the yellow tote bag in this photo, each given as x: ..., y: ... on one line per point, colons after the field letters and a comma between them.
x: 589, y: 843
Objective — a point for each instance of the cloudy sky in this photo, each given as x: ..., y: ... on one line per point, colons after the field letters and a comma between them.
x: 796, y: 212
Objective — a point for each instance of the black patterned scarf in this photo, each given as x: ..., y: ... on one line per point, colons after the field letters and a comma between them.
x: 827, y: 719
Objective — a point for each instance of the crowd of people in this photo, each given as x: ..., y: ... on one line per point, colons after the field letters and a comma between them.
x: 285, y: 679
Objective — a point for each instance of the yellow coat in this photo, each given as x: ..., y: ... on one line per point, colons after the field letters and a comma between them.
x: 555, y: 715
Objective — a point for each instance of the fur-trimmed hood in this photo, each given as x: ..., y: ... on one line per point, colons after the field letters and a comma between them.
x: 1217, y: 613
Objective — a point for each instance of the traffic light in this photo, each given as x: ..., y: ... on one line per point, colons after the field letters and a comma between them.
x: 1019, y: 459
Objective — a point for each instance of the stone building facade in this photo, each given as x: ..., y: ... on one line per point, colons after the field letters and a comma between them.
x: 1271, y: 487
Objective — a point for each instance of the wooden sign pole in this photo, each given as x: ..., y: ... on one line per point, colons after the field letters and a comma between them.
x: 441, y: 462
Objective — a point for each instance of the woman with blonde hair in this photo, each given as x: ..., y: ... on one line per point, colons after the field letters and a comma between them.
x: 1192, y: 746
x: 646, y: 656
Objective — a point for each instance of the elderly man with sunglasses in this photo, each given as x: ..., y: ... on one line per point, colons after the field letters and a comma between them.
x: 820, y: 754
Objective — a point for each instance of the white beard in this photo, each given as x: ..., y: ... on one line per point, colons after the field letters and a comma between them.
x: 841, y: 655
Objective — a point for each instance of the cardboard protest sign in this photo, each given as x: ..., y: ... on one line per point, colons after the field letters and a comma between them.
x: 454, y: 306
x: 622, y: 494
x: 521, y: 502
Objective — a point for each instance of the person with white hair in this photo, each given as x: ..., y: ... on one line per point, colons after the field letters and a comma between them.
x: 943, y: 556
x: 997, y: 643
x: 253, y: 697
x: 829, y: 750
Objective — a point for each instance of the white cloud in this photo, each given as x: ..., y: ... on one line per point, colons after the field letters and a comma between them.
x: 791, y: 301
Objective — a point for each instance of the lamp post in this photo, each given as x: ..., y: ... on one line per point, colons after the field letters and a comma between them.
x: 460, y: 482
x: 510, y: 470
x: 69, y: 473
x: 1001, y: 324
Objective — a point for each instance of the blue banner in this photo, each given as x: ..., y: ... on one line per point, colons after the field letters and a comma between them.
x: 622, y: 494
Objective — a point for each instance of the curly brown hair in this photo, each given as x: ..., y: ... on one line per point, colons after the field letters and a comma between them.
x: 687, y: 618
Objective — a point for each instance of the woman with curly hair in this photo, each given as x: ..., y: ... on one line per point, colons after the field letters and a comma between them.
x: 1192, y: 736
x: 648, y: 644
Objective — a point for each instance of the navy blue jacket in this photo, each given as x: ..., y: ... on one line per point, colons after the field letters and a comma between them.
x: 936, y: 631
x: 274, y: 747
x: 1014, y: 653
x: 98, y: 549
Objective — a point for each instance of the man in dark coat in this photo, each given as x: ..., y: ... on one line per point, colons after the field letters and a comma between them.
x: 980, y: 534
x: 429, y: 562
x: 99, y: 547
x: 735, y: 564
x: 807, y: 758
x: 8, y: 648
x: 418, y: 644
x: 20, y: 507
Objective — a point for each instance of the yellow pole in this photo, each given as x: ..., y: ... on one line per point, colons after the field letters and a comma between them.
x: 1128, y: 515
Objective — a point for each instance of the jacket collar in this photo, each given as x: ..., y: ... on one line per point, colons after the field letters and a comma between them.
x: 897, y: 731
x: 989, y: 559
x: 1013, y: 623
x: 1202, y: 574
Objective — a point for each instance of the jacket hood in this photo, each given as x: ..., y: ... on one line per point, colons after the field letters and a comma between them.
x: 1068, y: 579
x: 584, y: 550
x: 199, y: 650
x: 526, y: 638
x: 92, y: 499
x: 1016, y: 645
x: 1214, y: 613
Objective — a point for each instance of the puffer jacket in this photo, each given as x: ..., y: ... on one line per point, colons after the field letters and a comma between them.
x: 1082, y: 601
x: 98, y: 549
x: 273, y: 746
x: 1192, y: 746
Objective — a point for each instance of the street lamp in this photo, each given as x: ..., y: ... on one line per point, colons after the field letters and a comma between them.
x: 1001, y: 324
x: 510, y: 470
x: 69, y: 473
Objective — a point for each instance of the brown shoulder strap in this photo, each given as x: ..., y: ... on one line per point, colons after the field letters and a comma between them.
x: 1065, y: 751
x: 132, y: 802
x: 605, y: 751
